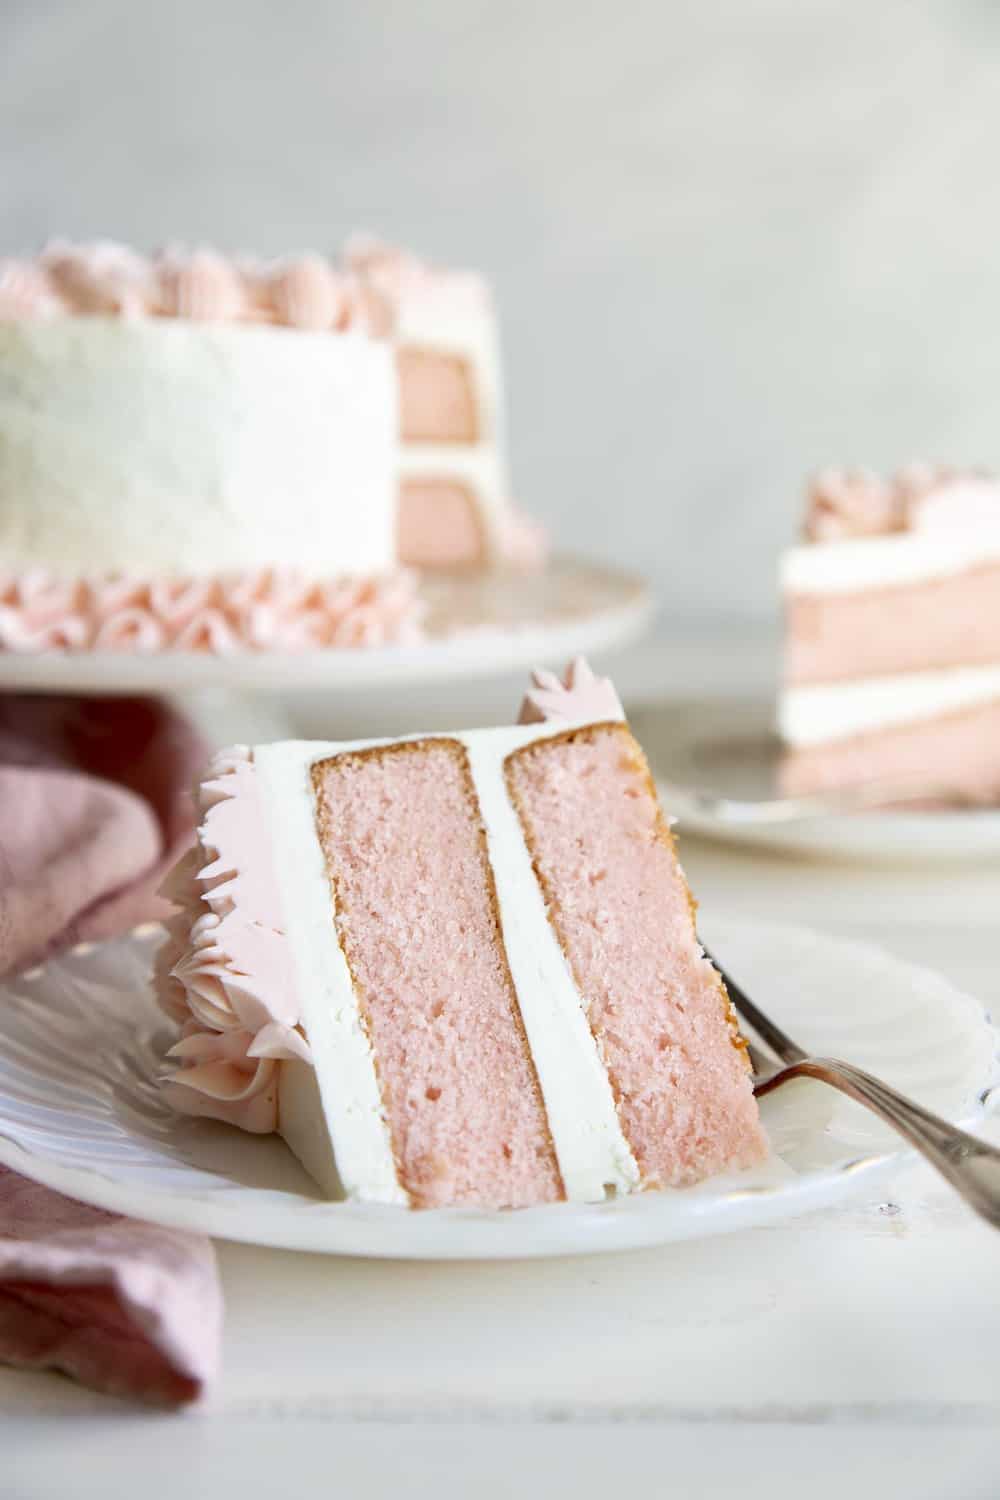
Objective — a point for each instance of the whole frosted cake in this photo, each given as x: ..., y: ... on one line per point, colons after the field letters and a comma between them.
x: 892, y: 607
x: 456, y: 968
x: 215, y: 454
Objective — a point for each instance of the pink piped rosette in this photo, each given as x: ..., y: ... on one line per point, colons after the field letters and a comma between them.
x: 578, y: 696
x: 224, y: 973
x: 105, y: 279
x: 848, y: 504
x: 223, y: 615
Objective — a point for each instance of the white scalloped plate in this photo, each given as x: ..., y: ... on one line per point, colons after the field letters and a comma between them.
x: 730, y: 751
x: 81, y: 1040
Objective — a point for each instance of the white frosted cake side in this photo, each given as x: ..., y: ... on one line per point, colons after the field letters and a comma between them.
x: 182, y: 448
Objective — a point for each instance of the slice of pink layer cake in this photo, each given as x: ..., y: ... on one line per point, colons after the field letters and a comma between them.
x: 456, y: 968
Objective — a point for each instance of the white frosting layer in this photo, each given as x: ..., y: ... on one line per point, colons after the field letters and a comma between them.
x: 345, y: 1069
x: 590, y: 1145
x: 455, y: 322
x: 853, y: 567
x: 836, y: 711
x: 163, y: 446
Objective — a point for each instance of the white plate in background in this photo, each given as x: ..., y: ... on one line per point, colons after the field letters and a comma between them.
x: 730, y: 750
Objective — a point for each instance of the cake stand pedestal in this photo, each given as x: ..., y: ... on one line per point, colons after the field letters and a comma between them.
x: 476, y: 627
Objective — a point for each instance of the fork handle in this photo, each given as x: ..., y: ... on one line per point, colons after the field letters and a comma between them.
x: 970, y: 1165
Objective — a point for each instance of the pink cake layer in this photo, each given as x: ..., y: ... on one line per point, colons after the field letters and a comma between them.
x: 959, y: 751
x: 437, y: 401
x: 945, y: 622
x: 621, y: 909
x: 439, y: 525
x: 417, y: 917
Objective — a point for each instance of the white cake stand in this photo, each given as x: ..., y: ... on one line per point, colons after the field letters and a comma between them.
x: 476, y: 627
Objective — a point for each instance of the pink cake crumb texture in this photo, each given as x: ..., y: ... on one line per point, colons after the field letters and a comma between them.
x: 417, y: 917
x: 439, y: 525
x: 620, y: 907
x: 956, y: 752
x: 437, y: 398
x: 941, y: 622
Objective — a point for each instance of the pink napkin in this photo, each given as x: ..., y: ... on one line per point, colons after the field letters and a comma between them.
x: 94, y: 806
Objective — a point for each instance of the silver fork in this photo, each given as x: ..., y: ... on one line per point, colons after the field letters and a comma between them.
x: 970, y: 1165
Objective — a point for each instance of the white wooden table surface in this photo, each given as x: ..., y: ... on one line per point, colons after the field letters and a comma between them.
x: 856, y: 1350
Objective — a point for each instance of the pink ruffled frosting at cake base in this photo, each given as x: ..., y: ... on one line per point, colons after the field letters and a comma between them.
x: 224, y: 972
x: 223, y: 614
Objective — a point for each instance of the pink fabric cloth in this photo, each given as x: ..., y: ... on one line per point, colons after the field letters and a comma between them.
x: 94, y: 806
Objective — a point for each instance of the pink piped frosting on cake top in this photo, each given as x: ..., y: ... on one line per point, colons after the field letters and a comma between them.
x: 221, y: 614
x: 578, y: 696
x: 307, y: 290
x: 845, y: 504
x: 225, y: 973
x: 109, y: 280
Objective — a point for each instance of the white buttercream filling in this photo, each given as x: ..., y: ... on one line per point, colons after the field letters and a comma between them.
x: 853, y: 567
x: 590, y: 1146
x: 817, y: 714
x: 342, y: 1054
x: 467, y: 329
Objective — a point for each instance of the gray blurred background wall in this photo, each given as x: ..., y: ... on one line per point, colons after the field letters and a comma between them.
x: 731, y: 241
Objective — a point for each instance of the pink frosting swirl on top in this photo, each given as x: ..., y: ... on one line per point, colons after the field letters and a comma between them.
x: 223, y: 614
x: 578, y: 696
x: 103, y: 278
x: 389, y: 276
x: 306, y: 292
x: 26, y: 292
x: 225, y: 972
x: 852, y: 503
x: 106, y: 279
x: 203, y: 287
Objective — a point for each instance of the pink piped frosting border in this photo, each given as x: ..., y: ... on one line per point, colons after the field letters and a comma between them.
x: 225, y: 973
x: 306, y: 291
x: 578, y: 696
x: 847, y: 504
x: 223, y: 614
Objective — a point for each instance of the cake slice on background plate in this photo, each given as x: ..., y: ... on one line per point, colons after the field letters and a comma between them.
x: 892, y: 655
x: 456, y: 968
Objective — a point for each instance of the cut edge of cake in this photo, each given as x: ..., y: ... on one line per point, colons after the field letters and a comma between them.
x: 453, y: 507
x: 297, y: 1017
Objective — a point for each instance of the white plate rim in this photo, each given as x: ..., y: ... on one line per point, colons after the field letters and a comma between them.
x: 559, y: 1229
x: 888, y: 837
